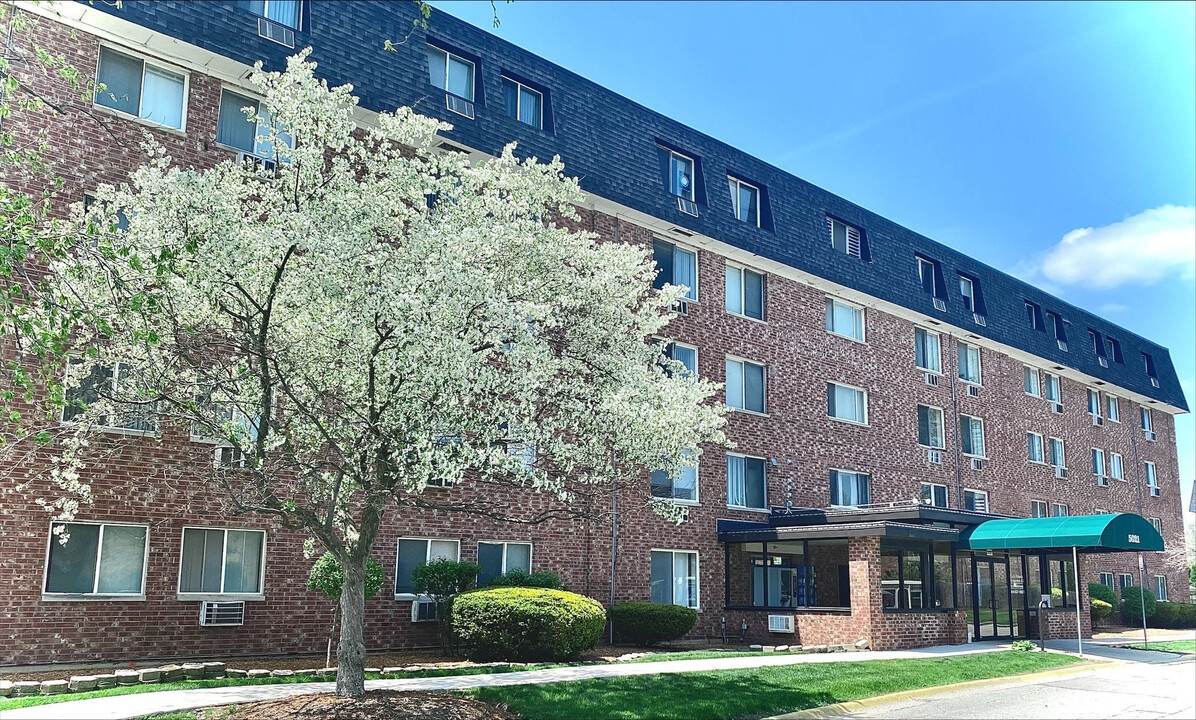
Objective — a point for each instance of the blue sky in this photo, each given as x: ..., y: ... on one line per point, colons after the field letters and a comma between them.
x: 1054, y: 141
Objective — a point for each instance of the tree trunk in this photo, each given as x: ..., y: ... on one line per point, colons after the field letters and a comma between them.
x: 350, y: 653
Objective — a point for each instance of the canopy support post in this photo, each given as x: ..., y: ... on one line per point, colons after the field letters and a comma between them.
x: 1075, y: 566
x: 1142, y: 598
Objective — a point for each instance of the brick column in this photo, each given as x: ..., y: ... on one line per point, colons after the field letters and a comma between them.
x: 866, y: 598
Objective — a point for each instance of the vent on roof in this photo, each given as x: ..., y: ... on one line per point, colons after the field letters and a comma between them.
x: 221, y: 614
x: 681, y: 231
x: 271, y: 30
x: 687, y: 206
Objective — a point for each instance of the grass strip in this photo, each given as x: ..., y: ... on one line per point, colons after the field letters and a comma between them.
x: 1179, y: 646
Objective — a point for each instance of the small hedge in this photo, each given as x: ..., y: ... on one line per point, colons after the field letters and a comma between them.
x: 1100, y: 611
x: 1173, y: 615
x: 526, y: 624
x: 646, y: 624
x: 1099, y: 591
x: 1132, y: 604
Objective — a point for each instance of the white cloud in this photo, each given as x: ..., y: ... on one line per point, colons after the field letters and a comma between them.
x: 1113, y: 308
x: 1142, y: 249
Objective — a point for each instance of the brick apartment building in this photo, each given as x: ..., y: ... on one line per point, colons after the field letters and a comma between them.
x: 890, y: 393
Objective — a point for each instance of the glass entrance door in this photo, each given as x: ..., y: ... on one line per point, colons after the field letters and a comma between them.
x: 993, y: 599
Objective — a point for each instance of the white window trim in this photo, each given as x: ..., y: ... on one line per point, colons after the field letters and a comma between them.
x: 983, y: 437
x: 741, y: 360
x: 974, y: 491
x: 934, y: 282
x: 979, y: 381
x: 697, y: 573
x: 1046, y: 508
x: 1104, y: 462
x: 146, y: 60
x: 1151, y: 475
x: 1112, y: 401
x: 298, y: 14
x: 735, y: 198
x: 666, y: 342
x: 693, y: 181
x: 93, y: 596
x: 743, y: 293
x: 748, y: 508
x: 1038, y: 384
x: 1046, y: 384
x: 1121, y: 580
x: 519, y: 101
x: 692, y: 250
x: 111, y: 429
x: 1146, y: 419
x: 1065, y: 506
x: 969, y: 299
x: 1112, y: 579
x: 416, y: 596
x: 1100, y: 408
x: 261, y: 583
x: 942, y: 428
x: 1043, y: 446
x: 473, y: 75
x: 1050, y: 457
x: 530, y: 552
x: 836, y: 506
x: 1120, y: 464
x: 946, y: 493
x: 938, y: 335
x: 846, y: 420
x: 697, y: 500
x: 863, y: 320
x: 1160, y: 586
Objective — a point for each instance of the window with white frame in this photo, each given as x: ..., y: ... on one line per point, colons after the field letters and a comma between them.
x: 745, y: 292
x: 928, y: 277
x: 234, y: 129
x: 930, y: 427
x: 414, y: 552
x: 1098, y: 462
x: 523, y: 103
x: 1112, y: 409
x: 1160, y: 588
x: 1116, y: 467
x: 927, y: 353
x: 745, y: 201
x: 681, y: 175
x: 675, y: 265
x: 687, y: 355
x: 142, y: 89
x: 1059, y: 510
x: 1038, y: 509
x: 500, y: 557
x: 1034, y: 447
x: 451, y: 73
x: 850, y: 488
x: 1157, y: 524
x: 117, y: 384
x: 284, y: 12
x: 675, y: 578
x: 844, y: 319
x: 745, y: 385
x: 844, y: 402
x: 1030, y: 381
x: 934, y: 494
x: 681, y: 485
x: 747, y: 486
x: 1093, y: 403
x: 1147, y: 420
x: 1058, y: 459
x: 1152, y: 481
x: 845, y: 238
x: 1125, y: 580
x: 219, y: 561
x: 97, y: 559
x: 971, y: 434
x: 975, y: 500
x: 969, y: 363
x: 1051, y: 386
x: 967, y: 290
x: 1106, y: 579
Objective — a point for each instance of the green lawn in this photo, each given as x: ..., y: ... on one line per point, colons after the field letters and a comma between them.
x: 1179, y: 646
x: 727, y: 694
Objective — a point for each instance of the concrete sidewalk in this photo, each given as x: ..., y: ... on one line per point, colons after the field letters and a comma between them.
x: 123, y: 707
x: 1104, y: 651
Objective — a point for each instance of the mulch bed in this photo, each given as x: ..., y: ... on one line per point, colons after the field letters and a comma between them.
x: 376, y: 705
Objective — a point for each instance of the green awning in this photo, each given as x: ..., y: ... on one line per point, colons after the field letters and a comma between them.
x: 1115, y: 532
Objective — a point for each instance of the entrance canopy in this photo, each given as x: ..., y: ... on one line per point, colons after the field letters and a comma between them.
x: 1115, y: 532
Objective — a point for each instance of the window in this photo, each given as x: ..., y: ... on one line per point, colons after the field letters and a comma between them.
x: 745, y: 292
x: 418, y: 551
x: 746, y: 485
x: 675, y: 266
x: 1115, y: 350
x: 967, y: 290
x: 1125, y: 580
x: 745, y: 201
x: 1057, y: 457
x: 451, y: 73
x: 1031, y: 381
x: 1116, y: 469
x: 498, y: 558
x: 1061, y: 575
x: 1052, y: 387
x: 969, y: 363
x: 681, y: 485
x: 934, y: 494
x: 844, y: 402
x: 1152, y: 480
x: 675, y: 578
x: 106, y: 383
x: 681, y: 175
x: 222, y: 561
x: 1098, y: 342
x: 745, y: 385
x: 1034, y: 447
x: 1147, y: 420
x: 1038, y: 508
x: 1151, y: 372
x: 971, y: 433
x: 1160, y: 588
x: 687, y: 355
x: 284, y: 12
x: 1098, y: 462
x: 975, y: 500
x: 1056, y: 325
x: 1093, y: 402
x: 930, y: 427
x: 928, y: 277
x: 1034, y: 315
x: 844, y: 319
x: 1058, y: 510
x: 1157, y: 524
x: 926, y: 351
x: 906, y: 571
x: 97, y: 559
x: 1106, y: 579
x: 141, y: 89
x: 1112, y: 410
x: 850, y: 489
x: 523, y: 103
x: 845, y: 238
x: 234, y: 129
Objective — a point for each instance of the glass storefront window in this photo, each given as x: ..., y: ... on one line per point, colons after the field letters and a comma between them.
x: 789, y: 574
x: 944, y: 576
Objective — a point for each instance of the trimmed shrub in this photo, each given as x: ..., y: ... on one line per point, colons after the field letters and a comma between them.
x: 1100, y: 611
x: 646, y: 624
x: 1173, y: 615
x: 325, y: 576
x: 526, y: 624
x: 1098, y: 591
x: 1132, y: 604
x: 520, y: 578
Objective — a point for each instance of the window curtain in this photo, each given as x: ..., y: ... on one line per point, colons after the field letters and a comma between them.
x: 1052, y: 386
x: 977, y: 432
x: 662, y: 577
x: 1056, y: 453
x: 460, y: 78
x: 233, y: 127
x: 437, y: 60
x: 1098, y: 462
x: 685, y: 579
x: 753, y: 295
x: 1034, y: 447
x: 122, y: 559
x: 735, y: 384
x: 736, y: 481
x: 285, y: 12
x: 734, y: 290
x: 243, y: 562
x: 201, y: 563
x: 162, y: 97
x: 490, y: 560
x: 529, y: 107
x: 685, y: 271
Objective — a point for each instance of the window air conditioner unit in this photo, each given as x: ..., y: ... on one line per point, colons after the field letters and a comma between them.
x: 973, y: 391
x: 221, y: 614
x: 1102, y: 481
x: 932, y: 380
x: 1062, y: 345
x: 1057, y: 408
x: 940, y: 304
x: 935, y: 456
x: 225, y: 456
x: 1061, y: 473
x: 459, y: 105
x: 681, y: 308
x: 780, y: 623
x: 1154, y: 381
x: 1098, y: 420
x: 257, y: 162
x: 423, y: 611
x: 687, y: 206
x: 1150, y: 435
x: 976, y: 463
x: 980, y: 319
x: 1104, y: 362
x: 277, y: 32
x: 1154, y: 492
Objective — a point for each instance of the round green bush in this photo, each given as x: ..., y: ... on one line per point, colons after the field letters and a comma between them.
x: 1098, y: 591
x: 325, y: 576
x: 1132, y: 604
x: 1100, y: 611
x: 526, y: 624
x: 1173, y: 615
x: 646, y: 624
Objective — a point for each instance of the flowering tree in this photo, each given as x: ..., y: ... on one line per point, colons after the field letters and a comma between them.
x: 365, y: 316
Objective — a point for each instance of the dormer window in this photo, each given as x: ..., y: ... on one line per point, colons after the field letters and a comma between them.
x: 930, y: 275
x: 453, y: 74
x: 1151, y: 372
x: 1056, y: 327
x: 283, y: 12
x: 845, y: 238
x: 1034, y: 316
x: 1115, y: 350
x: 745, y: 201
x: 681, y: 175
x: 523, y: 103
